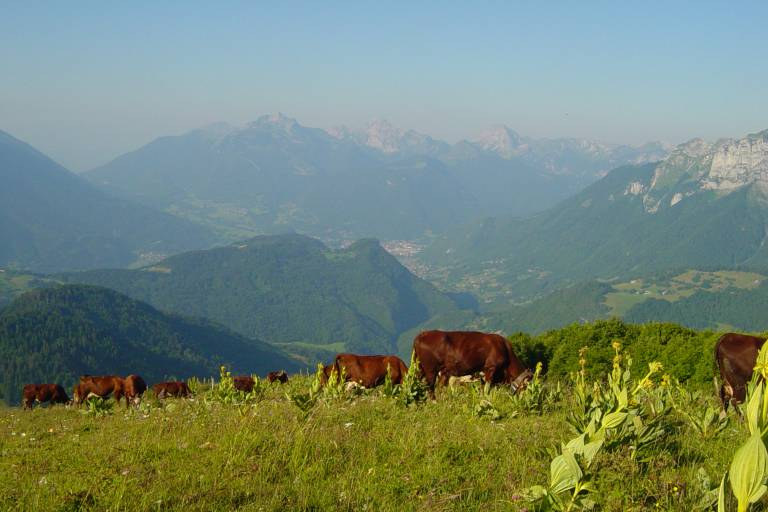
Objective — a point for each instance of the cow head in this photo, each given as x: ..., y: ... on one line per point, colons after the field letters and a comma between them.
x: 521, y: 381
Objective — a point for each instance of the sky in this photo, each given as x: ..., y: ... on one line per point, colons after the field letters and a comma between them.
x: 87, y: 81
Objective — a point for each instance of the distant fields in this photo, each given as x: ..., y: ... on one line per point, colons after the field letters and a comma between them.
x: 13, y: 284
x: 636, y: 291
x: 352, y: 453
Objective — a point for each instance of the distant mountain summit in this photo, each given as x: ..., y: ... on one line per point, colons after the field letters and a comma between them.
x: 703, y: 206
x: 275, y: 174
x: 501, y: 140
x: 52, y: 219
x: 567, y: 156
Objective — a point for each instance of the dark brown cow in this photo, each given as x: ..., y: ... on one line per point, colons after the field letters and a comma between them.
x: 735, y: 356
x: 133, y: 389
x: 280, y: 377
x: 244, y: 383
x: 457, y: 353
x: 176, y: 389
x: 42, y: 393
x: 370, y: 371
x: 101, y: 386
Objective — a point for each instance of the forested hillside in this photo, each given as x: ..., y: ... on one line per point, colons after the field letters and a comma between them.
x: 288, y: 289
x: 734, y: 309
x: 57, y: 334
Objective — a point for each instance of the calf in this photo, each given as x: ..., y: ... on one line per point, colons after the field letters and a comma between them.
x: 133, y: 389
x: 371, y: 371
x: 100, y: 386
x: 42, y: 393
x: 173, y: 388
x: 280, y: 377
x: 244, y: 383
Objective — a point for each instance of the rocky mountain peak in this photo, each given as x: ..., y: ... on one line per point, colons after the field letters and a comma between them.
x: 340, y: 132
x: 278, y: 120
x: 735, y: 163
x: 382, y: 135
x: 500, y: 139
x: 697, y: 165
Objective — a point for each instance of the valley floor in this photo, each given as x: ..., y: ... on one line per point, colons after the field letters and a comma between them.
x: 363, y: 453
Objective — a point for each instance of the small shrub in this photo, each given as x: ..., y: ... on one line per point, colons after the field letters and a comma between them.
x: 96, y: 406
x: 413, y: 390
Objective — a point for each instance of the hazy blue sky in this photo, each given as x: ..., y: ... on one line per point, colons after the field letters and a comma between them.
x: 86, y: 81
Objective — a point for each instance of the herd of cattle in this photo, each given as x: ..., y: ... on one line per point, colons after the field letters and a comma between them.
x: 441, y: 355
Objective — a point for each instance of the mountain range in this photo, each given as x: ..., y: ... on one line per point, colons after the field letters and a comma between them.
x: 52, y: 219
x: 274, y: 175
x: 703, y: 206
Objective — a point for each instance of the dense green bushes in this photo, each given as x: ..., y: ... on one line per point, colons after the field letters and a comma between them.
x: 686, y: 354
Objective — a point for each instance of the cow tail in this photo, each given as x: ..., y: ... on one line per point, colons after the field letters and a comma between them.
x: 718, y: 370
x: 720, y: 388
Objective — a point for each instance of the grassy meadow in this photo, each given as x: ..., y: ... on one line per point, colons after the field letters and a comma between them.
x: 297, y: 447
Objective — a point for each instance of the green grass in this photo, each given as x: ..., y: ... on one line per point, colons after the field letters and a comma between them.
x: 363, y: 453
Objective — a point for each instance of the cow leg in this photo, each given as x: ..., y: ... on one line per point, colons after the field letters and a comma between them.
x: 723, y: 402
x: 430, y: 377
x: 489, y: 375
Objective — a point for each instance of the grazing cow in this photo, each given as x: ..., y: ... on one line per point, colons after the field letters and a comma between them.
x: 736, y: 356
x: 327, y: 370
x: 244, y: 383
x: 370, y: 371
x: 457, y: 353
x: 280, y: 377
x: 133, y: 389
x: 42, y: 393
x: 102, y: 386
x: 176, y: 389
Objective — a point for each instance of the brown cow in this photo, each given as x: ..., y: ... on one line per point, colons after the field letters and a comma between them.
x: 457, y: 353
x: 370, y: 371
x: 176, y: 389
x: 42, y: 393
x: 244, y: 383
x: 101, y: 386
x: 736, y: 356
x: 280, y: 377
x: 133, y: 389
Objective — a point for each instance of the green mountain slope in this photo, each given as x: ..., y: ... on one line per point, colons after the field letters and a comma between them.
x: 51, y: 219
x: 288, y: 289
x: 56, y: 334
